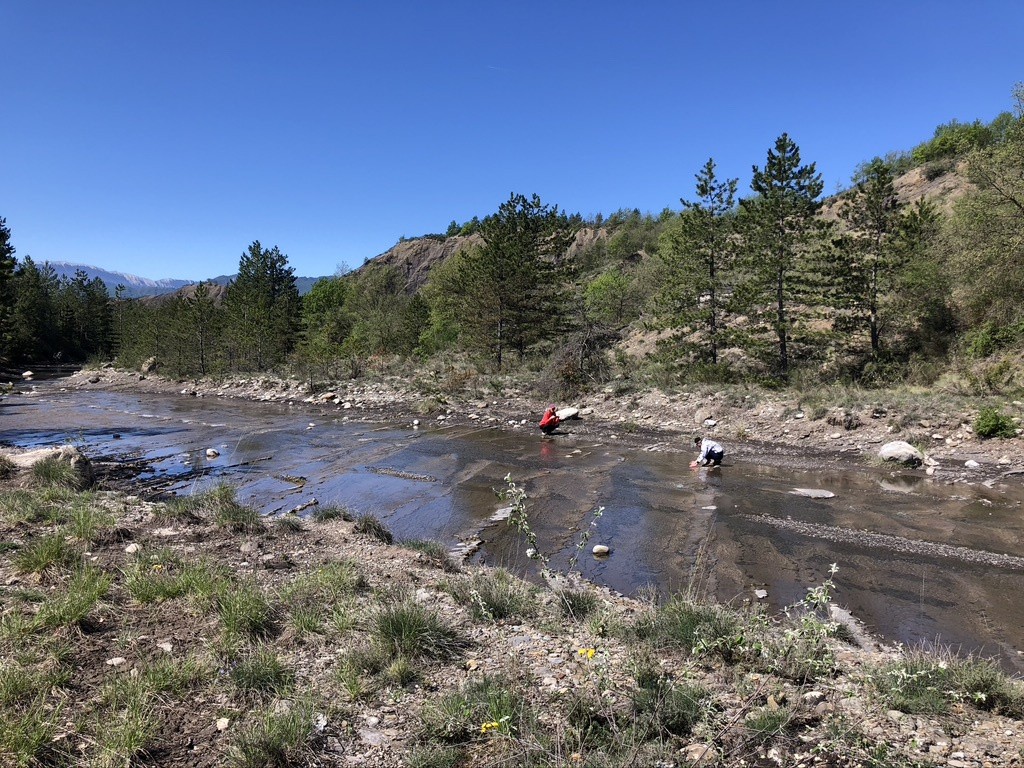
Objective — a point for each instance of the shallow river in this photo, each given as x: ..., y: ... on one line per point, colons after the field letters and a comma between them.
x: 920, y: 561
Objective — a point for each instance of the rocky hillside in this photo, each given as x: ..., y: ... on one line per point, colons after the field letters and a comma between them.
x: 418, y: 256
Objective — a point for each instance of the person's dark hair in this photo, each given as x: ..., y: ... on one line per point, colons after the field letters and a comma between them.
x: 696, y: 440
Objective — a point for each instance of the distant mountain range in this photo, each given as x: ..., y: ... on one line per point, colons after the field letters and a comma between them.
x: 137, y: 287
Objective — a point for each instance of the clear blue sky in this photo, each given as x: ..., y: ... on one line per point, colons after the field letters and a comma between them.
x: 161, y: 138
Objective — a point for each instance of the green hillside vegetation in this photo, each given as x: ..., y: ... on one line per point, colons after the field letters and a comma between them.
x: 774, y: 286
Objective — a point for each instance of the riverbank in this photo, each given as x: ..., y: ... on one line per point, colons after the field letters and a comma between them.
x: 839, y: 427
x: 196, y: 633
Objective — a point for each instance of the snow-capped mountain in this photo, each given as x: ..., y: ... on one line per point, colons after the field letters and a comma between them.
x: 135, y: 286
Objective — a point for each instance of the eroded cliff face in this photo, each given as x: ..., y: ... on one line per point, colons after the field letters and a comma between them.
x: 415, y: 258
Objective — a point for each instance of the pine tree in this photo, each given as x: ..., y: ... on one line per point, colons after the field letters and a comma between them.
x: 263, y: 309
x: 202, y: 318
x: 508, y: 293
x: 33, y: 327
x: 698, y: 251
x: 7, y: 265
x: 872, y: 258
x: 781, y: 236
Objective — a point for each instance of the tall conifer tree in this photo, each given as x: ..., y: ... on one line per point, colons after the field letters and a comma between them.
x: 508, y: 293
x: 263, y: 308
x: 872, y: 257
x: 781, y: 235
x: 698, y: 251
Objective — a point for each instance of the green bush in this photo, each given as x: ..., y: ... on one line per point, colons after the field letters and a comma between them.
x: 991, y: 422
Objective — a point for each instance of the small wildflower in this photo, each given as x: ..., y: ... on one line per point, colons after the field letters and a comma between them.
x: 491, y: 726
x: 586, y: 653
x: 158, y: 567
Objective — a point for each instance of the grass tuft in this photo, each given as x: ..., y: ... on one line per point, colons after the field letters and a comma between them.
x: 274, y: 739
x: 259, y: 672
x: 221, y: 504
x: 84, y: 590
x: 577, y: 604
x: 495, y: 595
x: 155, y: 577
x: 288, y: 524
x: 370, y: 525
x: 7, y: 467
x: 409, y: 629
x: 434, y: 554
x: 332, y: 512
x: 244, y: 611
x: 27, y: 735
x: 49, y: 551
x: 326, y: 585
x: 923, y: 683
x: 52, y: 472
x: 700, y: 627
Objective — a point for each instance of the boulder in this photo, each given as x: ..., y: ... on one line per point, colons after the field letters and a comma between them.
x: 901, y: 452
x: 25, y: 460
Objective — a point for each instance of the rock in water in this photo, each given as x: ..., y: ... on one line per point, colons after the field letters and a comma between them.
x: 813, y: 493
x: 901, y: 452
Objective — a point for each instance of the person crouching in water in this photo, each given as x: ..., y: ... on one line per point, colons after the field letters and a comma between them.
x: 549, y: 421
x: 711, y: 453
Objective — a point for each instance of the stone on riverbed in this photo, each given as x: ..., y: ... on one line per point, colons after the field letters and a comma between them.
x: 901, y: 452
x: 67, y: 454
x: 813, y: 493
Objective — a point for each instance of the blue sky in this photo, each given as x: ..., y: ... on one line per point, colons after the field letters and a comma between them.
x: 160, y: 139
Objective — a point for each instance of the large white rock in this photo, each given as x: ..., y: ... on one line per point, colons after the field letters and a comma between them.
x: 68, y: 454
x: 901, y: 452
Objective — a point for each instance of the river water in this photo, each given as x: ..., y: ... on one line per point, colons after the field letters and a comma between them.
x: 920, y: 561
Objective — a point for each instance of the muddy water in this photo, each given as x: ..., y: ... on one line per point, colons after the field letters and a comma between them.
x: 919, y: 561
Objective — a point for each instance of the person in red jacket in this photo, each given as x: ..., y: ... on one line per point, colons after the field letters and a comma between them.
x: 549, y: 421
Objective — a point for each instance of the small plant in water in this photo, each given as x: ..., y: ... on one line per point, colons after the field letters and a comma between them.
x: 518, y: 519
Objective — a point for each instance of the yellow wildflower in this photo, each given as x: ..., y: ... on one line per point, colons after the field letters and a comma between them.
x: 587, y: 653
x: 491, y: 726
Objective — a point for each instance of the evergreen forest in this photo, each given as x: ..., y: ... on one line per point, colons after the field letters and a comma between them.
x: 775, y: 285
